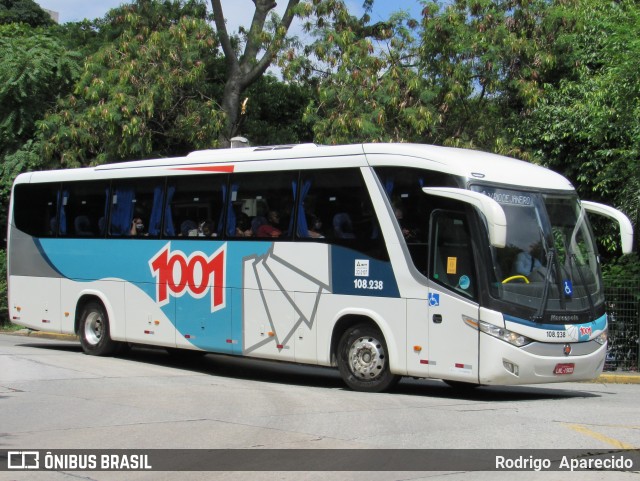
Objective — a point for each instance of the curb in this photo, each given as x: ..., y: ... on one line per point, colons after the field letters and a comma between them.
x: 621, y: 378
x: 604, y: 378
x: 42, y: 335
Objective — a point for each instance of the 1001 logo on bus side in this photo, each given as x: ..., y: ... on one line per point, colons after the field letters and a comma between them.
x: 197, y: 274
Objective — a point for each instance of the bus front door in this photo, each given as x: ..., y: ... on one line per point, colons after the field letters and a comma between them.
x: 453, y: 337
x: 453, y: 310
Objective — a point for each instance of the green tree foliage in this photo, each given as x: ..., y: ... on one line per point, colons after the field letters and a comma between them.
x: 588, y: 124
x: 458, y: 77
x: 35, y: 70
x: 23, y: 11
x: 367, y: 87
x: 145, y: 93
x: 488, y: 61
x: 618, y: 271
x: 26, y: 159
x: 274, y: 110
x: 86, y: 36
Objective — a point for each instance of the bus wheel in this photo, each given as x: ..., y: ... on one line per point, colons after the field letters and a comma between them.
x: 94, y: 331
x: 363, y: 360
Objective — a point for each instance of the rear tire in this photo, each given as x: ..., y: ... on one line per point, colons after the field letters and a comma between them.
x: 94, y: 330
x: 363, y: 360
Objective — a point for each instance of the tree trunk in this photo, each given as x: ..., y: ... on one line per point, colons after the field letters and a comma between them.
x: 243, y: 71
x: 231, y: 107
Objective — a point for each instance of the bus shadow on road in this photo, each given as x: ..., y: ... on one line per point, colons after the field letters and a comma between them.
x: 264, y: 370
x: 58, y: 346
x: 270, y: 371
x: 236, y: 367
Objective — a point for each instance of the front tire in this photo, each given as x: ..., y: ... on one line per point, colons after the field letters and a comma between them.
x: 363, y: 360
x: 94, y: 331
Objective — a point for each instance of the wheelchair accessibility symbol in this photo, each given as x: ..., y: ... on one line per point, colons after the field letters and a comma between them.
x: 568, y: 288
x: 434, y: 299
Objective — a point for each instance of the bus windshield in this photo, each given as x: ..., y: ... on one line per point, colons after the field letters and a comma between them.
x: 549, y: 264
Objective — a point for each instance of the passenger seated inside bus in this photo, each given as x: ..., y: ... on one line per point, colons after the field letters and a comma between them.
x: 205, y: 229
x: 528, y: 263
x: 257, y: 222
x: 188, y: 228
x: 82, y: 226
x: 314, y: 227
x: 272, y: 227
x: 342, y: 226
x: 137, y: 227
x: 408, y: 233
x: 243, y: 226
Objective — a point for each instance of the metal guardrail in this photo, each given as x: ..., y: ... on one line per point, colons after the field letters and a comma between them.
x: 623, y: 309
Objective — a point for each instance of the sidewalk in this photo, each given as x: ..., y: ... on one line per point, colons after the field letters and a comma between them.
x: 609, y: 377
x: 41, y: 334
x: 619, y: 377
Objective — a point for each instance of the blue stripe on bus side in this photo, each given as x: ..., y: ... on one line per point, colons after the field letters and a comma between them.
x: 130, y: 260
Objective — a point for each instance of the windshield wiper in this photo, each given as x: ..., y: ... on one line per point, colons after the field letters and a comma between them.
x: 574, y: 258
x: 551, y: 252
x: 538, y: 317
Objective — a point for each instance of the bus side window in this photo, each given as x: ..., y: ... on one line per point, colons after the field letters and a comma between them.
x: 334, y: 206
x: 261, y: 205
x: 194, y: 206
x: 411, y: 206
x: 136, y: 207
x: 36, y: 209
x: 452, y: 263
x: 83, y: 206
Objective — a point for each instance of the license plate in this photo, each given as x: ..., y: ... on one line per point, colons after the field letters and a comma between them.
x: 564, y: 368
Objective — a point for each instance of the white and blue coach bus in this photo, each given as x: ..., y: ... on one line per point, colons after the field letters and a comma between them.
x: 385, y: 260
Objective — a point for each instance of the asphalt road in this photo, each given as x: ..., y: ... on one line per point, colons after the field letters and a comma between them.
x: 52, y: 396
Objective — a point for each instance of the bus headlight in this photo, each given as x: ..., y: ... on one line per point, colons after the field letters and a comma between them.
x: 602, y: 338
x: 504, y: 334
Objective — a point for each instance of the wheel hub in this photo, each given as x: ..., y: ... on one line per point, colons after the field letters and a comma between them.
x: 367, y: 358
x: 93, y: 328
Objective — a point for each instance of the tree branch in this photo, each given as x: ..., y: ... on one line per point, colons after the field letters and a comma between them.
x: 223, y: 35
x: 263, y: 7
x: 261, y: 66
